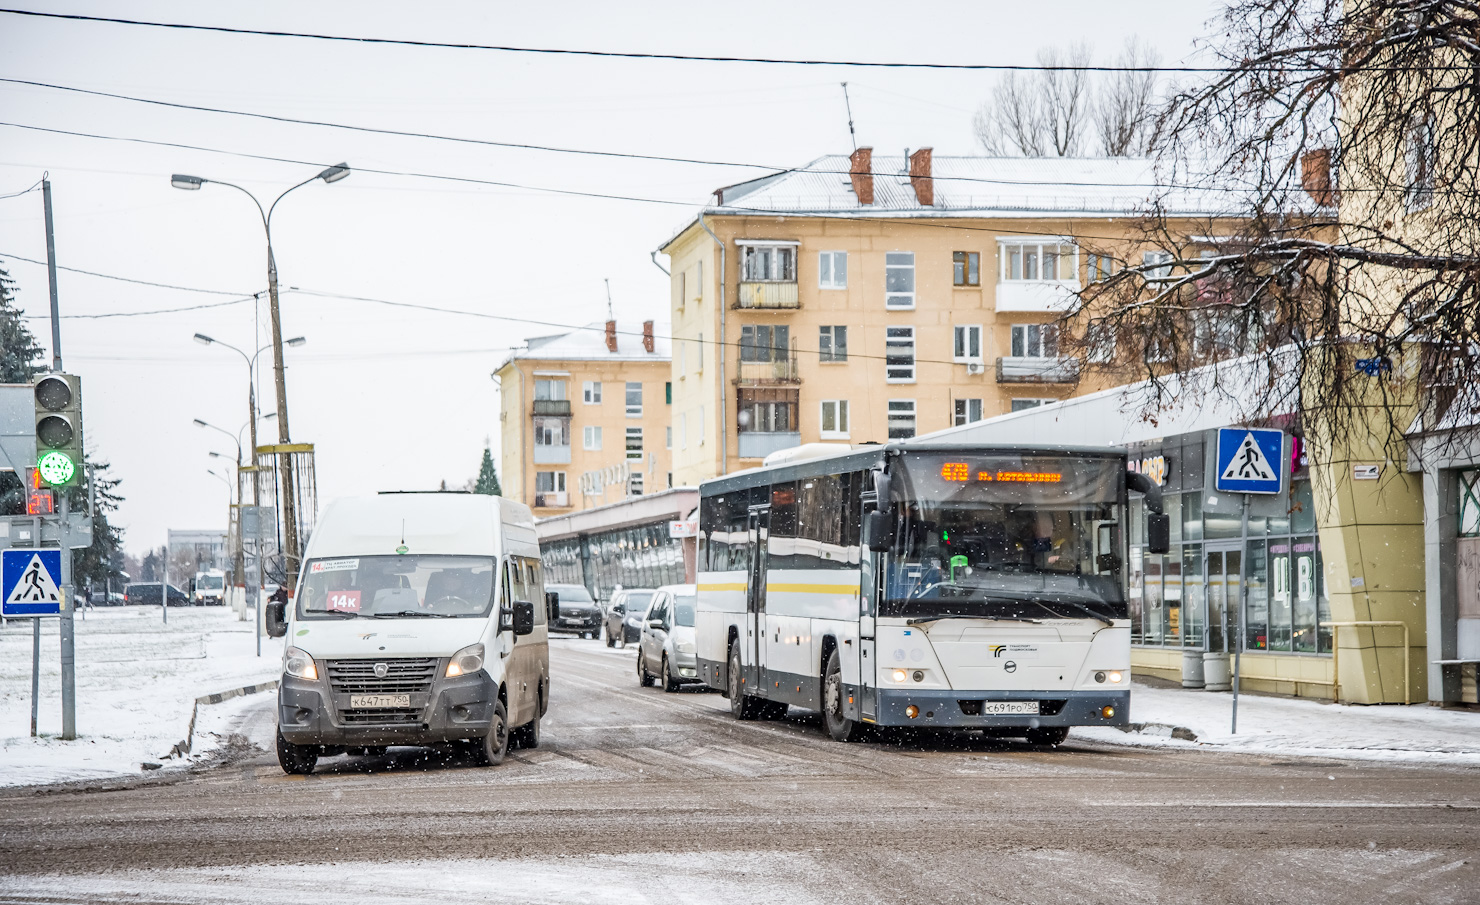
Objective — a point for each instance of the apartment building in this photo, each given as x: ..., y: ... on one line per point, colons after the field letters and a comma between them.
x: 865, y: 298
x: 584, y: 417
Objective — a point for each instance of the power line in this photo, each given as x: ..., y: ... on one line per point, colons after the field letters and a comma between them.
x: 627, y: 55
x: 109, y: 276
x: 33, y: 188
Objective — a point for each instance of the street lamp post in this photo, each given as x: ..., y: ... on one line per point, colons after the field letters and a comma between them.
x: 239, y: 555
x: 251, y: 362
x: 290, y: 516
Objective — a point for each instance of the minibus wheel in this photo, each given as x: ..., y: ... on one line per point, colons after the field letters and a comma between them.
x: 526, y: 737
x: 493, y: 747
x: 296, y: 760
x: 1048, y: 735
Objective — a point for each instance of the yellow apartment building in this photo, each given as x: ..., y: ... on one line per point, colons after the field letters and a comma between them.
x: 866, y: 298
x: 584, y: 417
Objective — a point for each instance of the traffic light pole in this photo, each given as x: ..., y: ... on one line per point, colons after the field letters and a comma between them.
x: 69, y: 647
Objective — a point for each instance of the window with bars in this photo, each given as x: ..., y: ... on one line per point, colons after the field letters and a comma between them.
x: 901, y: 419
x: 634, y: 443
x: 899, y: 354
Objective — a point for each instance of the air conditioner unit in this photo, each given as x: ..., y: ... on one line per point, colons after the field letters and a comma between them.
x: 975, y: 367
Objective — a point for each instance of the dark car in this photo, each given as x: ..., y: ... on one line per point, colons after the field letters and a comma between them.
x: 107, y: 598
x: 623, y: 621
x: 146, y: 593
x: 578, y: 614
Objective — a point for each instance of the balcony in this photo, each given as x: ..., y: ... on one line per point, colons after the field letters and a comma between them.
x: 769, y: 296
x: 1022, y: 369
x: 554, y: 499
x: 551, y: 455
x: 759, y: 444
x: 559, y: 408
x: 1041, y: 296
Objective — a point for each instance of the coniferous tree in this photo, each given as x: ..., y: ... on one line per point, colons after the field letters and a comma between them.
x: 488, y: 476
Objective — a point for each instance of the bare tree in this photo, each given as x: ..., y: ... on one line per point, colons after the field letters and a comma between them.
x: 1344, y: 139
x: 1125, y: 102
x: 1041, y: 114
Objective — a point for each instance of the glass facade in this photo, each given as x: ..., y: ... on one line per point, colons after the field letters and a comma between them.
x: 1189, y: 596
x: 639, y: 556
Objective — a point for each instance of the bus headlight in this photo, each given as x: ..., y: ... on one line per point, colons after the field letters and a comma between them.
x: 1115, y: 676
x: 298, y: 664
x: 468, y: 660
x: 900, y: 675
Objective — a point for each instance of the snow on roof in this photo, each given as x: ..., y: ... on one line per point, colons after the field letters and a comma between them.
x: 588, y: 343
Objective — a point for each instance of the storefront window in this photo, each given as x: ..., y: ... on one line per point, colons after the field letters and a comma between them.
x: 1154, y: 615
x: 1302, y: 509
x: 1136, y: 586
x: 1192, y: 595
x: 1192, y: 516
x: 1259, y: 634
x: 1305, y: 589
x: 1172, y: 597
x: 1277, y: 574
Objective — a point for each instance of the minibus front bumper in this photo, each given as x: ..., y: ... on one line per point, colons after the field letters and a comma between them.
x: 971, y: 709
x: 309, y: 713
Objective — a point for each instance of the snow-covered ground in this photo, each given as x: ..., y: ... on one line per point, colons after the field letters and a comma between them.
x: 1296, y: 727
x: 137, y: 681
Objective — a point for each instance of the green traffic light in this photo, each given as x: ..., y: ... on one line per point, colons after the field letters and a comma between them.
x: 56, y: 467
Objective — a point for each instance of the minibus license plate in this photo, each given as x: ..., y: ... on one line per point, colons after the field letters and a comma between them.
x: 359, y: 701
x: 995, y: 708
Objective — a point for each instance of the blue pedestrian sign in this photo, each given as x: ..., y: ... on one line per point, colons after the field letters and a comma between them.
x: 1250, y: 460
x: 30, y: 583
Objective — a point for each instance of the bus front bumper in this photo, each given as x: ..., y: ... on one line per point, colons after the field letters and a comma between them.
x: 964, y: 709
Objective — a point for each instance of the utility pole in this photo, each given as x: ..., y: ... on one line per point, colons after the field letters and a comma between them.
x: 66, y: 626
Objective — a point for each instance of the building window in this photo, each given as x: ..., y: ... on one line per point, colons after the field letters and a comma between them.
x: 549, y: 482
x: 832, y: 270
x: 1418, y: 158
x: 591, y: 437
x: 670, y: 480
x: 634, y: 399
x: 899, y: 355
x: 668, y: 437
x: 1101, y: 267
x: 1469, y: 503
x: 1039, y: 261
x: 591, y: 392
x: 967, y: 268
x: 667, y: 393
x: 551, y: 432
x: 764, y: 342
x: 901, y: 419
x: 768, y: 263
x: 834, y: 419
x: 634, y: 443
x: 968, y: 411
x: 1035, y: 341
x: 767, y: 416
x: 634, y: 484
x: 549, y: 389
x: 1157, y: 273
x: 683, y: 288
x: 1019, y: 405
x: 699, y: 282
x: 968, y: 347
x: 1099, y: 340
x: 699, y: 355
x: 832, y: 343
x: 899, y: 279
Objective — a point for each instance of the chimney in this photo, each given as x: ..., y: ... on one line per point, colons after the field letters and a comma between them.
x: 1315, y: 176
x: 611, y: 336
x: 861, y: 174
x: 647, y: 337
x: 920, y: 178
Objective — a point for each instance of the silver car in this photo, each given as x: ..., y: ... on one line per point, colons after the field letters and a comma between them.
x: 665, y: 650
x: 623, y: 622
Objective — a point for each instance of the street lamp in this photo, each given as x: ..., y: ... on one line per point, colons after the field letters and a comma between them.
x: 251, y: 361
x: 329, y: 175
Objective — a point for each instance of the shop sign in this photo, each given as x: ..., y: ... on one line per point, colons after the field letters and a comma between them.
x: 1154, y: 467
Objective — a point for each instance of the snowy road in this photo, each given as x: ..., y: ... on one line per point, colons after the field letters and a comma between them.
x: 641, y: 796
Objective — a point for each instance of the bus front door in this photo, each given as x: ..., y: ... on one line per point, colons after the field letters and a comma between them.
x: 755, y: 597
x: 868, y: 595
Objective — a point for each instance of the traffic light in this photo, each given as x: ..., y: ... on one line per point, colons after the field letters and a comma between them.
x: 59, y: 429
x: 39, y: 498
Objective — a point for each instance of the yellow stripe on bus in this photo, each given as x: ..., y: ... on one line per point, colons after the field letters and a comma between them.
x: 813, y: 588
x: 733, y: 586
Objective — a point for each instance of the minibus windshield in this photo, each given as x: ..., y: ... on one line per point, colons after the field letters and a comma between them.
x: 397, y: 587
x: 1006, y: 537
x: 210, y: 583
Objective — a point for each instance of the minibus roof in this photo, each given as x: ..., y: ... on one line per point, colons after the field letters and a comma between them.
x: 471, y: 524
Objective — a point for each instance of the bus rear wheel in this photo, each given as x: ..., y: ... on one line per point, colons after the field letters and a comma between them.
x: 838, y: 726
x: 1048, y: 735
x: 742, y: 705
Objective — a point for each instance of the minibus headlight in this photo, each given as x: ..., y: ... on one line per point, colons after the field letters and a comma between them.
x: 298, y: 664
x: 466, y: 661
x: 900, y: 675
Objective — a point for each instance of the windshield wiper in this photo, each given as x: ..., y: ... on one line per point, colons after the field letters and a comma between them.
x: 411, y: 613
x: 345, y: 613
x: 1078, y: 606
x: 924, y: 619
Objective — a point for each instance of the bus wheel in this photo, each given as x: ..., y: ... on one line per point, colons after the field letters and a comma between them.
x: 296, y: 759
x: 838, y: 726
x: 1048, y: 735
x: 495, y: 745
x: 742, y: 705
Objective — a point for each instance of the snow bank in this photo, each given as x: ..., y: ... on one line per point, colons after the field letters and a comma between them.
x: 137, y: 681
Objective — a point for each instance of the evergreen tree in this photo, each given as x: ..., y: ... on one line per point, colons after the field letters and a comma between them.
x: 19, y: 352
x: 487, y: 476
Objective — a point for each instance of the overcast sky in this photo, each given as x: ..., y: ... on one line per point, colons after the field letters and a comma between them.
x: 394, y: 398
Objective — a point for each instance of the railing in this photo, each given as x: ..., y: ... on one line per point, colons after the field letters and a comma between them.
x: 558, y: 408
x: 769, y: 296
x: 554, y: 499
x: 1336, y: 655
x: 1022, y: 369
x: 778, y: 371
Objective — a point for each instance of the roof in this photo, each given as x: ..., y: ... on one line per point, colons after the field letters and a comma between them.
x: 588, y: 343
x: 467, y: 524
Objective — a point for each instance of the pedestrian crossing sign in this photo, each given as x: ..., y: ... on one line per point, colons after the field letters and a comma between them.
x: 1250, y: 461
x: 30, y: 583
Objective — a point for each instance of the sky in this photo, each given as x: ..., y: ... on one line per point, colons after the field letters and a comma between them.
x: 396, y: 398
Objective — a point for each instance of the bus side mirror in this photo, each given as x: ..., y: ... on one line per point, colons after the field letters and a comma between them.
x: 1158, y: 532
x: 552, y: 605
x: 274, y: 618
x: 877, y: 531
x: 523, y: 617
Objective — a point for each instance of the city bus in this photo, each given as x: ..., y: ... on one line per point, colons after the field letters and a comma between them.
x: 923, y: 584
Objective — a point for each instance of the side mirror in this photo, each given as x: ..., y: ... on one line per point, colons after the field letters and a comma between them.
x: 552, y: 605
x: 878, y: 530
x: 523, y: 617
x: 655, y: 623
x: 1158, y: 532
x: 274, y: 618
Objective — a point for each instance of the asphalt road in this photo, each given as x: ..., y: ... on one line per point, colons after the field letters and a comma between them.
x: 640, y: 796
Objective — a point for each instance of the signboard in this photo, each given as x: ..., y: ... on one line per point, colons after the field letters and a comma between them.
x: 259, y: 522
x: 1250, y: 460
x: 683, y: 528
x: 30, y: 583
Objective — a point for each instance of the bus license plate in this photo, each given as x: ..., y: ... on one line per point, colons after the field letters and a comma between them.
x: 999, y: 708
x: 361, y: 701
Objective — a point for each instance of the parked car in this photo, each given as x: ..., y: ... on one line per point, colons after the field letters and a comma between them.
x: 623, y: 621
x: 665, y: 649
x: 146, y: 593
x: 108, y: 598
x: 578, y: 613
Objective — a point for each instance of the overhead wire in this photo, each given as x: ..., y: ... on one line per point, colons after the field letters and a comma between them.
x: 33, y: 188
x: 108, y: 276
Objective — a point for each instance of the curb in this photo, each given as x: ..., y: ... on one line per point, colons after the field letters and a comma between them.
x: 182, y: 748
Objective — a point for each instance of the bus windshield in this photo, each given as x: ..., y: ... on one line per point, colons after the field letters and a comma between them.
x: 1006, y: 536
x: 210, y: 582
